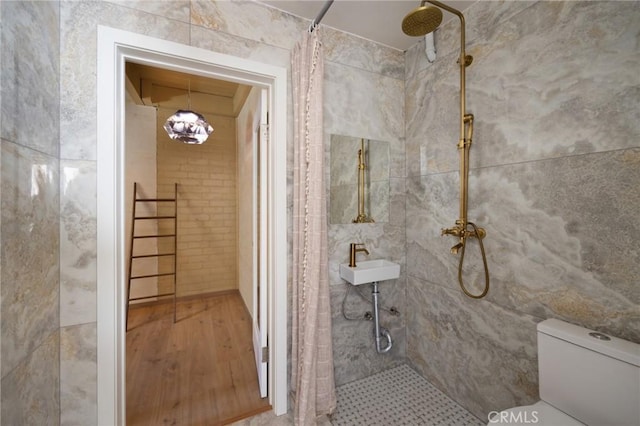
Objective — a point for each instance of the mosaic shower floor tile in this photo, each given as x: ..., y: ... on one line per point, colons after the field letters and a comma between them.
x: 398, y: 396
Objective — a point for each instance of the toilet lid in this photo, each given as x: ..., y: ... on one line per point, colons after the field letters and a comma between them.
x: 538, y: 414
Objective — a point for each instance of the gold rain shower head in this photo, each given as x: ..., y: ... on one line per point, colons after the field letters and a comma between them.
x: 422, y: 20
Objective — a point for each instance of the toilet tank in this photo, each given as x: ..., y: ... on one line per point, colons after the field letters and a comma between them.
x: 590, y: 376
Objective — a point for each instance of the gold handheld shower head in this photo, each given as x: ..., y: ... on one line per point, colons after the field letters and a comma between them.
x: 421, y: 21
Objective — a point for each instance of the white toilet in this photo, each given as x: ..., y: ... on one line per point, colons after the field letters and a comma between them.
x: 586, y: 378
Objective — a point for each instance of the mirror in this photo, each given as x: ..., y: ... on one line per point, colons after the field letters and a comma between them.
x: 358, y: 166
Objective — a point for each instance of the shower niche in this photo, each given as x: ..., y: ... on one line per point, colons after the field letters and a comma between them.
x: 359, y: 180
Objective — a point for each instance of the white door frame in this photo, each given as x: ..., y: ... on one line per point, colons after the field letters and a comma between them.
x: 259, y: 309
x: 115, y: 47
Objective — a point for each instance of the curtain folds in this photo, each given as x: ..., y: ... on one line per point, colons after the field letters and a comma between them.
x: 312, y: 377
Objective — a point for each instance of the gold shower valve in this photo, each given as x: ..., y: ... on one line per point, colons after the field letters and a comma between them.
x: 460, y: 232
x: 456, y: 230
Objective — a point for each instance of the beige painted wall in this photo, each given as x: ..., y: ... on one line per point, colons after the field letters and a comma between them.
x: 247, y: 125
x: 206, y: 175
x: 140, y: 160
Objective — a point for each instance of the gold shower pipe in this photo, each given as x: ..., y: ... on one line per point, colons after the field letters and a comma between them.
x: 463, y: 61
x: 460, y: 229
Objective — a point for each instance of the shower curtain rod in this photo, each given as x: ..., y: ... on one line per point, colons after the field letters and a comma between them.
x: 316, y: 21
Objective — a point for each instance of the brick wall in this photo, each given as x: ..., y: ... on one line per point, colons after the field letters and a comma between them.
x: 206, y: 177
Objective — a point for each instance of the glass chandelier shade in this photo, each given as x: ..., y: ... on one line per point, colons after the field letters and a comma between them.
x: 188, y: 127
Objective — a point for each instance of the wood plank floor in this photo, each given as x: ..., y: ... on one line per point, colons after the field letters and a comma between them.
x: 198, y: 371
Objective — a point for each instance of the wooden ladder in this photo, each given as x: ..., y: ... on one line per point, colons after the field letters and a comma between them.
x: 157, y: 236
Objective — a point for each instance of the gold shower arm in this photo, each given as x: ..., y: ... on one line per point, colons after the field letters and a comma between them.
x: 466, y: 59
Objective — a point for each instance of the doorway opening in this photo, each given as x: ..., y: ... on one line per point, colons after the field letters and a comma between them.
x: 115, y: 49
x: 196, y: 226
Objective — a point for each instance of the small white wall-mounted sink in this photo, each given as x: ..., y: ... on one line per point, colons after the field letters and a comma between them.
x: 369, y: 271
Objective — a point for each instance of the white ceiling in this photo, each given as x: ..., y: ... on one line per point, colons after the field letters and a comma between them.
x: 377, y: 20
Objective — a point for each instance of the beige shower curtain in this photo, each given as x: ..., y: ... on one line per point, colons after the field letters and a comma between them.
x: 312, y: 379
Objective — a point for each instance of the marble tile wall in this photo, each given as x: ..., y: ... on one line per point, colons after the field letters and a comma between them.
x: 555, y: 172
x: 363, y: 98
x: 364, y: 95
x: 31, y: 390
x: 78, y: 374
x: 29, y: 197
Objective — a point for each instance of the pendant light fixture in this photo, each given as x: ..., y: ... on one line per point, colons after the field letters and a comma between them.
x: 188, y: 126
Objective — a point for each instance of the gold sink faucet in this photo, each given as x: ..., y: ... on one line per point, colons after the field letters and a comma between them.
x: 353, y: 249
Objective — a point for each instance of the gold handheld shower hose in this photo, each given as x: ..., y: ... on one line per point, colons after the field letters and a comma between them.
x: 419, y: 22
